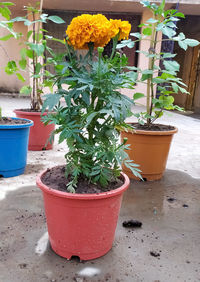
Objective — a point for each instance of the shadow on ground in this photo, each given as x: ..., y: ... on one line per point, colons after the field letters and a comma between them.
x: 169, y: 210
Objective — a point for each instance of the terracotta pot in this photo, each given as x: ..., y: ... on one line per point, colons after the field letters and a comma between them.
x: 39, y: 133
x: 82, y: 225
x: 150, y: 150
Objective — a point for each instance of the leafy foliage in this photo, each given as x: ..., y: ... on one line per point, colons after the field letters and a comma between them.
x: 8, y: 26
x: 33, y: 54
x: 165, y: 80
x: 90, y: 113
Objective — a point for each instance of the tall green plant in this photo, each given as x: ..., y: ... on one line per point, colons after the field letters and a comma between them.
x: 164, y: 80
x: 90, y: 111
x: 6, y: 24
x: 33, y: 53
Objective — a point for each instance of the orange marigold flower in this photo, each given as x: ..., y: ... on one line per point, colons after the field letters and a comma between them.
x: 121, y: 27
x: 89, y: 28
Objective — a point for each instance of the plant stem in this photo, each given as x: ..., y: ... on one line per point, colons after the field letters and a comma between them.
x: 115, y: 40
x: 150, y: 90
x: 33, y: 103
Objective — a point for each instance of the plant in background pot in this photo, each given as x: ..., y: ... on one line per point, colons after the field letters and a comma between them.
x: 82, y: 198
x: 150, y: 142
x: 32, y: 56
x: 14, y: 132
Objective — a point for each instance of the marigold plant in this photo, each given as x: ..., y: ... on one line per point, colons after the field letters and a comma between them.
x: 91, y: 112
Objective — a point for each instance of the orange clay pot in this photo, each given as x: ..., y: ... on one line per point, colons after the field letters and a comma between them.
x: 150, y: 150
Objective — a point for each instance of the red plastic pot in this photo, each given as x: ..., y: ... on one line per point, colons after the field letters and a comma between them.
x: 82, y: 225
x: 39, y: 133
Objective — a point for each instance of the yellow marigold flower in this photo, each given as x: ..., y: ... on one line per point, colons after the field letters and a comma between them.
x: 89, y: 28
x: 121, y: 27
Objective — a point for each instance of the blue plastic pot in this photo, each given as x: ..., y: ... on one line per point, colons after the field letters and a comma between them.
x: 13, y: 148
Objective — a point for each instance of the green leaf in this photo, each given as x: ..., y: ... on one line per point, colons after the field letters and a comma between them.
x: 86, y: 97
x: 175, y: 87
x: 5, y: 12
x: 138, y: 96
x: 7, y: 3
x: 22, y: 64
x: 191, y: 42
x: 51, y: 100
x: 183, y: 90
x: 20, y: 77
x: 37, y: 48
x: 26, y: 90
x: 180, y: 15
x: 125, y: 43
x: 158, y: 80
x: 38, y: 68
x: 90, y: 117
x: 183, y: 45
x: 56, y: 39
x: 147, y: 31
x: 145, y: 77
x: 29, y: 53
x: 161, y: 7
x: 136, y: 34
x: 23, y: 53
x: 151, y: 20
x: 29, y: 34
x: 180, y: 36
x: 171, y: 65
x: 6, y: 37
x: 147, y: 72
x: 56, y: 19
x: 159, y: 114
x: 171, y: 24
x: 131, y: 44
x: 169, y: 32
x: 11, y: 67
x: 168, y: 55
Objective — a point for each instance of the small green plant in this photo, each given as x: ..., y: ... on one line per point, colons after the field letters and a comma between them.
x: 7, y: 24
x: 33, y: 54
x: 91, y: 112
x: 162, y: 80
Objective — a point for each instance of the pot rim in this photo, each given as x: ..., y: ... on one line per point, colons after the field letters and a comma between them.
x: 93, y: 196
x: 147, y: 132
x: 16, y: 126
x: 18, y: 111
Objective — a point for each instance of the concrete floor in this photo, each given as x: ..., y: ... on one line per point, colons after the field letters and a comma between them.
x: 171, y: 229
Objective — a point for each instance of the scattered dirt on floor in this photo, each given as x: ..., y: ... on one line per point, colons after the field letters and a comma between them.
x: 55, y: 179
x: 23, y: 222
x: 132, y: 223
x: 171, y: 200
x: 23, y: 265
x: 154, y: 254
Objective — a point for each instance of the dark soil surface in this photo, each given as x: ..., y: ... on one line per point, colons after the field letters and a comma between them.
x: 30, y: 110
x: 153, y: 127
x: 10, y: 121
x: 55, y: 179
